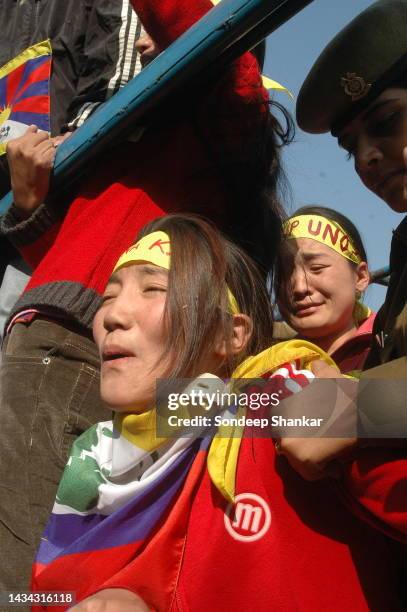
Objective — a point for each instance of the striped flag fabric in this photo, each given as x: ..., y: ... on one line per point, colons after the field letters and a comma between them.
x: 25, y: 92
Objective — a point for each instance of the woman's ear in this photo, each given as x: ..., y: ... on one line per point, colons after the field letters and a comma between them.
x: 242, y: 331
x: 362, y: 277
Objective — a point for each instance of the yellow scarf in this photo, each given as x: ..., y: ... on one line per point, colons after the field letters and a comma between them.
x: 224, y: 449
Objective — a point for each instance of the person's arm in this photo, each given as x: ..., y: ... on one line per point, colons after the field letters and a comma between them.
x: 332, y: 397
x: 30, y: 225
x: 377, y: 407
x: 110, y: 58
x: 372, y: 471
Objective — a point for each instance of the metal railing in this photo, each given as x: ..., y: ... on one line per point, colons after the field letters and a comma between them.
x: 226, y: 31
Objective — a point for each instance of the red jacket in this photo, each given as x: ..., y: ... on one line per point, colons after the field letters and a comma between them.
x: 314, y: 555
x: 198, y: 163
x: 290, y: 547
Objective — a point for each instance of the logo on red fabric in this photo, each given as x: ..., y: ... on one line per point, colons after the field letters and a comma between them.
x: 249, y: 518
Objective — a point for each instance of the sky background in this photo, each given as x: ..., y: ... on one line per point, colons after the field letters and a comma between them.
x: 316, y: 168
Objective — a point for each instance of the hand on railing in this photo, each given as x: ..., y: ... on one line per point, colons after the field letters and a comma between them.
x: 31, y: 158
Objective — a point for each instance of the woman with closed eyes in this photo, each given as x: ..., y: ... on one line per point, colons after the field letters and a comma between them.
x: 322, y: 274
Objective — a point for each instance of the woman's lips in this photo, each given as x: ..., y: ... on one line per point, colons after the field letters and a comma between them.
x: 305, y: 311
x: 116, y: 361
x: 114, y: 355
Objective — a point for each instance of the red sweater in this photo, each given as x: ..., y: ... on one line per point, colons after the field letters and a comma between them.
x: 198, y: 163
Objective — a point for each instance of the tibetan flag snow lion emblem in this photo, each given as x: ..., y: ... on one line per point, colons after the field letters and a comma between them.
x: 24, y: 92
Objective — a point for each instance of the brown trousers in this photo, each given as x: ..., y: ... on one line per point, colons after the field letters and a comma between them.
x: 49, y: 394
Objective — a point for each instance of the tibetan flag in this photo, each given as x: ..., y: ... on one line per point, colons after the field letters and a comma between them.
x: 24, y: 92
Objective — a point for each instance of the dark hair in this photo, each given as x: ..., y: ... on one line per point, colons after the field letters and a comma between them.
x: 328, y: 213
x: 253, y: 210
x: 203, y: 265
x: 270, y: 181
x: 261, y: 232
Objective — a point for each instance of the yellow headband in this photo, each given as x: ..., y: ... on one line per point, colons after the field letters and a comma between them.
x: 156, y: 249
x: 327, y: 232
x: 322, y: 230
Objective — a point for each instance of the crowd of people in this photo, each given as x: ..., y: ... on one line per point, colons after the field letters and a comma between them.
x: 156, y: 266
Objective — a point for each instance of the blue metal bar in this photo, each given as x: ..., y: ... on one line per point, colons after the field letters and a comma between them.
x: 220, y: 36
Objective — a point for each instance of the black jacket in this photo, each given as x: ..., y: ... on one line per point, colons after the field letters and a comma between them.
x: 93, y: 49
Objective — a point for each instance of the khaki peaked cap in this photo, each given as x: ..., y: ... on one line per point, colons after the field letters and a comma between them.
x: 357, y: 65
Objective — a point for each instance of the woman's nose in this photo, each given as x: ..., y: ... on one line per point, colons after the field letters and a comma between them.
x: 117, y: 315
x: 299, y: 284
x: 367, y: 155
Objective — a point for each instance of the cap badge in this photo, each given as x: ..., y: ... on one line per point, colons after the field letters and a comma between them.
x: 355, y: 86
